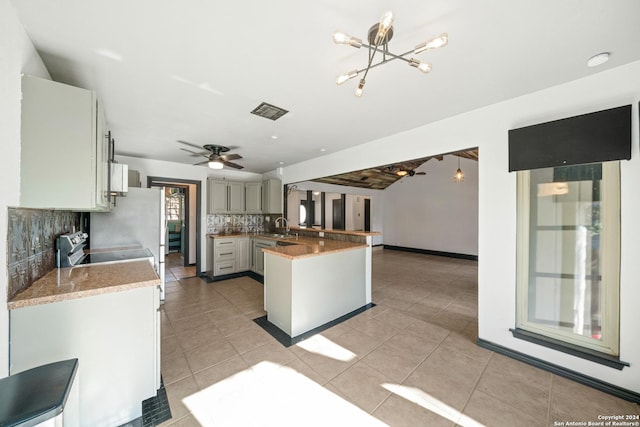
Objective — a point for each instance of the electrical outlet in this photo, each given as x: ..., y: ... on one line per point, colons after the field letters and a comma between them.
x: 321, y: 234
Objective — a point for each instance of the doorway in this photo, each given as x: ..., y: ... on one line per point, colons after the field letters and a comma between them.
x: 182, y: 221
x: 338, y: 214
x: 367, y: 215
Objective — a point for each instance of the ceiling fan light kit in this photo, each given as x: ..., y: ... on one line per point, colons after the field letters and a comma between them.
x: 214, y: 156
x: 378, y: 38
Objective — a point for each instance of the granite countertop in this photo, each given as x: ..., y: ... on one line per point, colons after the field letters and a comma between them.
x: 92, y: 279
x: 228, y: 235
x: 329, y: 230
x: 304, y: 247
x: 300, y: 247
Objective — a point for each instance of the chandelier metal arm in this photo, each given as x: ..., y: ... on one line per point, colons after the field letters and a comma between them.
x: 401, y: 56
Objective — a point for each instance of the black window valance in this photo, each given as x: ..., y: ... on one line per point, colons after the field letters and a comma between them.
x: 595, y: 137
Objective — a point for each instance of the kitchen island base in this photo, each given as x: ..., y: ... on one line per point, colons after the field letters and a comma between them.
x: 304, y: 293
x: 288, y: 341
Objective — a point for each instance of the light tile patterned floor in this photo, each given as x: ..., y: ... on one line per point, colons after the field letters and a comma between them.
x: 410, y: 361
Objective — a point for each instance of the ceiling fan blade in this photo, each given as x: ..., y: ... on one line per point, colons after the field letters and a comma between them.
x: 201, y: 163
x: 228, y: 157
x: 231, y: 165
x: 421, y: 173
x: 194, y: 154
x: 199, y: 147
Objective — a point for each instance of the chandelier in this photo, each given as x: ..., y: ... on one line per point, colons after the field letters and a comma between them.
x: 378, y: 37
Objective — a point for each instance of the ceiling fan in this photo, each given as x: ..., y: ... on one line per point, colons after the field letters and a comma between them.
x: 404, y: 172
x: 213, y: 153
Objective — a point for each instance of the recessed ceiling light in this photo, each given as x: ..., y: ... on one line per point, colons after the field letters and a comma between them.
x: 274, y: 136
x: 282, y: 163
x: 598, y: 59
x: 322, y: 150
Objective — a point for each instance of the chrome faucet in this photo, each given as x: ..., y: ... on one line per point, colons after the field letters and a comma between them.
x: 286, y: 223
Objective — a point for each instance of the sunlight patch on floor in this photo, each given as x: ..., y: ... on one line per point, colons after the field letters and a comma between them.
x: 325, y: 347
x: 432, y: 404
x: 269, y: 394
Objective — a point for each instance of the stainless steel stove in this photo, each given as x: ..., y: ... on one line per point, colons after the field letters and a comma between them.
x: 70, y: 252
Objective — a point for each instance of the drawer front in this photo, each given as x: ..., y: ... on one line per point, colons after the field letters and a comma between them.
x: 224, y: 267
x: 224, y: 243
x: 224, y: 254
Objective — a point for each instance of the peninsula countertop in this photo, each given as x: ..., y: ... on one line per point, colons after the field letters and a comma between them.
x: 297, y: 247
x: 87, y: 280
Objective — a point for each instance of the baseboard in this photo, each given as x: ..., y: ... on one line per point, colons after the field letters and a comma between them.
x: 431, y: 252
x: 605, y: 387
x: 255, y: 276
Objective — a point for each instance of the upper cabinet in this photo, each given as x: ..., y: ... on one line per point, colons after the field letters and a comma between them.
x: 225, y: 196
x: 253, y: 197
x: 243, y: 197
x: 64, y: 148
x: 272, y: 196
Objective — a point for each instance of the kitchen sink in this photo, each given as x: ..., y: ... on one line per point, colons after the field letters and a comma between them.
x: 278, y: 235
x: 284, y: 243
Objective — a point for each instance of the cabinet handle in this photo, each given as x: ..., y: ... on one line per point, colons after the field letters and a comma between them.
x: 227, y: 253
x: 224, y: 268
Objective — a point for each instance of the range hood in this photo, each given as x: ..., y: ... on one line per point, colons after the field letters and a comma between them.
x: 119, y: 179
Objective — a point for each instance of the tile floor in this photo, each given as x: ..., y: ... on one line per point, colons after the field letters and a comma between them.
x: 175, y: 269
x: 410, y: 361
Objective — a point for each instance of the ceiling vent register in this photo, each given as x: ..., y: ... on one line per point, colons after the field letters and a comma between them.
x: 269, y: 111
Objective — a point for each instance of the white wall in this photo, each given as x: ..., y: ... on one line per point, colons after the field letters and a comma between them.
x: 487, y: 129
x: 432, y: 211
x: 17, y: 55
x: 148, y: 167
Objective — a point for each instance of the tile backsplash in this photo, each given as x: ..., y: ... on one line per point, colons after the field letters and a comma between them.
x: 31, y: 239
x: 240, y: 223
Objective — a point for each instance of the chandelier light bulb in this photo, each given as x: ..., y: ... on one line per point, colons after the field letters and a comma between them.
x: 360, y: 87
x: 434, y: 43
x: 425, y: 67
x: 342, y: 38
x: 216, y: 165
x: 386, y: 20
x: 344, y: 77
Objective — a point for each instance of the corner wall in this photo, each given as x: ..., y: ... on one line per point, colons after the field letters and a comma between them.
x: 17, y: 56
x: 487, y: 128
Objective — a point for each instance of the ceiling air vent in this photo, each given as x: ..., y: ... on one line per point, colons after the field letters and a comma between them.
x: 269, y: 111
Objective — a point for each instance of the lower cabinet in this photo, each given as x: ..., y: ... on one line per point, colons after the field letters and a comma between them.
x: 114, y: 336
x: 228, y: 255
x: 257, y: 259
x: 243, y: 255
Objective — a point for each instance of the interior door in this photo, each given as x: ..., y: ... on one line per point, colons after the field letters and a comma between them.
x: 338, y: 219
x: 367, y: 214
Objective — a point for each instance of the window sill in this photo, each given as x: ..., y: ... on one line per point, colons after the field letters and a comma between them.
x: 574, y: 350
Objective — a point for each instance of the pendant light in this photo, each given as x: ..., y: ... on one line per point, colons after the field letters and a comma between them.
x: 459, y: 175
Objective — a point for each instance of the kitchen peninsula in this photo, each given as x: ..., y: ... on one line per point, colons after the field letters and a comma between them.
x: 311, y: 276
x: 316, y: 279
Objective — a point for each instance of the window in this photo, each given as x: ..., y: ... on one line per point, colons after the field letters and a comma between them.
x: 568, y: 259
x: 174, y: 202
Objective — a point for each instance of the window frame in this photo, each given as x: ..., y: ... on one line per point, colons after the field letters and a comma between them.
x: 610, y: 205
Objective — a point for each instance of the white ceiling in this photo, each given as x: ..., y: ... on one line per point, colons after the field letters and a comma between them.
x: 194, y: 69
